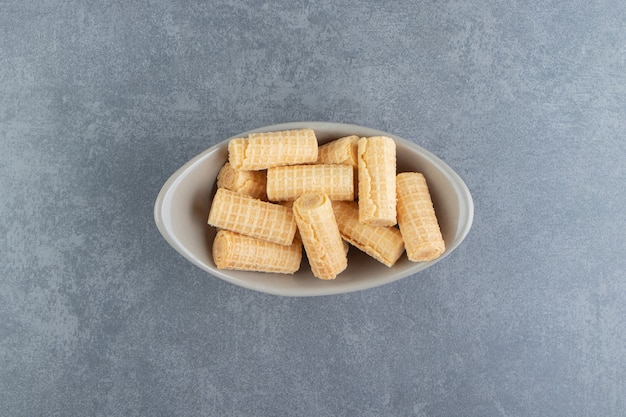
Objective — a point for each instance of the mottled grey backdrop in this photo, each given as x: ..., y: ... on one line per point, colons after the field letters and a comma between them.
x: 100, y: 101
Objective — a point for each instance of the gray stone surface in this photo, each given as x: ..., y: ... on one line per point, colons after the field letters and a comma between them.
x: 100, y: 101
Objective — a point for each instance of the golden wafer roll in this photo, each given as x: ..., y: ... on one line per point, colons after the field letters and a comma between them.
x: 235, y: 251
x: 377, y: 181
x: 341, y: 151
x: 251, y: 183
x: 289, y: 182
x: 263, y: 150
x: 383, y: 243
x: 416, y: 218
x: 251, y: 217
x: 320, y: 235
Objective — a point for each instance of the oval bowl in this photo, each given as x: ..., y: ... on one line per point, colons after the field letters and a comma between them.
x: 182, y: 207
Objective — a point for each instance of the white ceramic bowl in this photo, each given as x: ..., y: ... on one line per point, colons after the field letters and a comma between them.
x: 182, y: 208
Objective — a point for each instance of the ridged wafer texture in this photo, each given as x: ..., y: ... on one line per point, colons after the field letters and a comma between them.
x: 289, y: 182
x: 340, y: 151
x: 251, y: 217
x: 417, y: 219
x: 236, y: 251
x: 383, y: 243
x: 289, y: 205
x: 377, y: 181
x: 320, y: 235
x: 251, y: 183
x: 270, y: 149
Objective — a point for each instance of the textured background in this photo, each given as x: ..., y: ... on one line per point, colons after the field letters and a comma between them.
x: 100, y: 101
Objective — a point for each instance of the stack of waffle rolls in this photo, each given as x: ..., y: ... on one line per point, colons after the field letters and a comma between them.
x: 281, y: 192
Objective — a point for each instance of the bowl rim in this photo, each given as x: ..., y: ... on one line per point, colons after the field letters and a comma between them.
x: 466, y: 210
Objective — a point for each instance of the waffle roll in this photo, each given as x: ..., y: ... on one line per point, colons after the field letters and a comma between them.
x: 383, y: 243
x: 243, y: 214
x: 320, y: 235
x: 289, y: 182
x: 377, y: 181
x: 270, y: 149
x: 416, y: 218
x: 252, y: 183
x: 342, y: 151
x: 236, y: 251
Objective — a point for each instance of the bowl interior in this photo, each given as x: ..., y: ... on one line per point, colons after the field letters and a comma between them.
x: 182, y: 208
